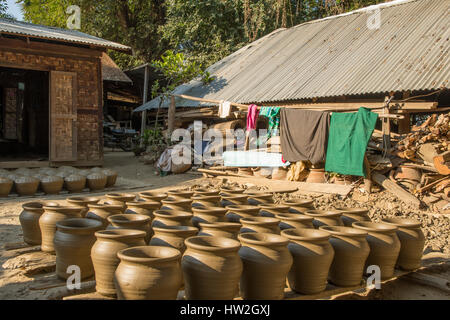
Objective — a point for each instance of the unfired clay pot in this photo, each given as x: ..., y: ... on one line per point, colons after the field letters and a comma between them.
x: 75, y: 183
x: 255, y: 199
x: 101, y: 212
x: 142, y: 207
x: 325, y: 217
x: 234, y: 190
x: 52, y: 184
x: 205, y: 201
x: 294, y: 221
x: 73, y: 241
x: 266, y: 260
x: 26, y: 186
x: 148, y: 273
x: 104, y: 255
x: 384, y: 246
x: 5, y: 186
x: 270, y: 209
x: 229, y: 199
x: 172, y: 218
x: 172, y: 236
x: 119, y: 198
x: 350, y: 215
x: 153, y: 196
x: 211, y: 268
x: 260, y: 224
x: 312, y: 257
x: 82, y: 202
x: 206, y: 192
x: 350, y: 254
x: 29, y: 220
x: 180, y: 194
x: 412, y: 242
x: 316, y: 176
x: 299, y: 205
x: 236, y: 212
x: 220, y: 229
x: 96, y: 181
x: 208, y: 214
x: 111, y: 177
x: 174, y: 204
x: 132, y: 222
x: 47, y: 223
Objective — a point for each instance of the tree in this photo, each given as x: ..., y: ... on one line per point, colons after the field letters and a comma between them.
x: 4, y: 9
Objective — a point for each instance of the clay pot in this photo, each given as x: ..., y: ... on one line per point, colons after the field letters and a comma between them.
x: 229, y: 199
x: 174, y: 204
x: 119, y: 199
x: 294, y: 221
x: 267, y: 261
x: 325, y: 217
x: 260, y: 224
x: 259, y: 198
x: 312, y: 257
x: 350, y: 254
x: 26, y: 186
x: 29, y: 220
x: 5, y: 186
x: 172, y: 236
x: 75, y: 183
x: 271, y: 210
x: 153, y: 196
x: 279, y: 173
x: 408, y: 173
x: 111, y: 177
x: 62, y: 174
x: 84, y: 172
x: 96, y: 169
x: 180, y: 194
x: 148, y: 273
x: 68, y: 169
x: 299, y: 205
x: 206, y: 192
x: 205, y: 201
x: 24, y: 172
x: 220, y: 229
x: 208, y: 214
x: 316, y: 176
x: 52, y: 184
x: 47, y: 223
x: 232, y: 190
x: 104, y: 255
x: 82, y: 202
x: 172, y: 218
x: 142, y: 207
x: 350, y: 215
x: 73, y: 241
x: 48, y: 171
x: 101, y: 212
x: 412, y: 242
x: 384, y: 246
x: 211, y: 268
x: 96, y: 181
x: 236, y: 212
x: 132, y: 222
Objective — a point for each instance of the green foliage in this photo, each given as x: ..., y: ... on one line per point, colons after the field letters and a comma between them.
x: 3, y: 9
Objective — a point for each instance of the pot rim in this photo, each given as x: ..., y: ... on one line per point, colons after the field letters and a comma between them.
x: 142, y: 204
x: 206, y: 190
x: 120, y: 234
x: 241, y: 207
x: 153, y: 254
x: 38, y: 205
x: 118, y: 196
x: 402, y: 222
x: 226, y: 195
x: 212, y: 244
x: 220, y: 224
x: 67, y: 209
x: 81, y: 199
x: 305, y: 234
x: 170, y: 200
x: 234, y: 189
x: 263, y: 238
x: 89, y: 224
x: 204, y: 197
x: 105, y: 206
x: 123, y: 218
x: 293, y: 217
x: 259, y: 195
x: 153, y: 194
x: 171, y: 213
x: 176, y: 229
x: 260, y: 221
x: 216, y: 210
x: 344, y: 231
x: 180, y: 191
x: 352, y: 210
x: 298, y: 202
x: 323, y: 213
x: 378, y: 227
x: 272, y: 206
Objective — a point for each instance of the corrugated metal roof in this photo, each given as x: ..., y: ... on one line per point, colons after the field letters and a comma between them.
x: 52, y: 33
x: 336, y: 56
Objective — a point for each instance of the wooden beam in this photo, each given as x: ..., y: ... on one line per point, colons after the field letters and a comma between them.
x: 171, y: 116
x: 395, y: 189
x: 144, y: 100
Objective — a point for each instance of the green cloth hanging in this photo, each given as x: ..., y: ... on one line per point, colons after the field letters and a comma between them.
x: 273, y: 114
x: 347, y: 141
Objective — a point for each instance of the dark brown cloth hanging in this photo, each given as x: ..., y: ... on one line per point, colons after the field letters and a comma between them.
x: 304, y: 134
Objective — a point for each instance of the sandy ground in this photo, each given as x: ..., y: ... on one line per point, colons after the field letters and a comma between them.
x: 135, y: 176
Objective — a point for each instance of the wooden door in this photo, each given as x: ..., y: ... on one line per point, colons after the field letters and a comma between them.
x: 63, y: 116
x: 10, y: 114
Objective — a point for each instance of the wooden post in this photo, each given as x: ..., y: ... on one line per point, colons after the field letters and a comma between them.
x: 144, y: 100
x: 386, y: 127
x: 368, y: 178
x: 171, y: 116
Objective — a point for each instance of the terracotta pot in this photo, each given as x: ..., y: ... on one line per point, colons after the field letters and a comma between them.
x: 408, y: 173
x: 142, y: 207
x: 229, y: 199
x: 52, y: 184
x: 208, y: 214
x: 101, y: 212
x: 267, y: 261
x: 384, y: 246
x: 206, y: 192
x: 220, y: 229
x: 350, y: 215
x: 180, y: 194
x: 325, y: 217
x: 312, y: 257
x: 259, y: 198
x: 316, y: 176
x: 104, y: 255
x: 260, y: 224
x: 96, y: 181
x: 294, y: 221
x: 131, y: 222
x: 153, y: 196
x: 5, y: 186
x: 26, y: 186
x: 29, y: 220
x: 299, y: 205
x: 211, y: 268
x: 350, y: 254
x: 172, y: 218
x: 174, y: 204
x: 279, y: 173
x: 82, y: 202
x: 236, y: 212
x: 111, y: 177
x: 232, y: 190
x: 271, y: 210
x: 75, y: 183
x: 119, y: 199
x: 47, y: 223
x: 73, y: 241
x: 148, y: 273
x: 412, y: 242
x: 172, y: 236
x: 205, y: 201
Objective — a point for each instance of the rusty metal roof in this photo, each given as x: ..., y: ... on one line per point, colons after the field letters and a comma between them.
x: 336, y: 56
x: 57, y: 34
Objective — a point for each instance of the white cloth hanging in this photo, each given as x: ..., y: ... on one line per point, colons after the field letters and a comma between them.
x: 224, y: 109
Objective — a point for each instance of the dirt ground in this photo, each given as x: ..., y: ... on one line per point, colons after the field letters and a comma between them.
x: 134, y: 176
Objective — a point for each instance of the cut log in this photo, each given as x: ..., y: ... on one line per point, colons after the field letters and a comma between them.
x: 431, y: 185
x: 427, y: 152
x: 442, y: 163
x: 395, y: 189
